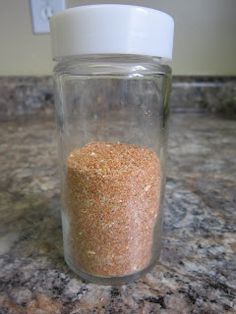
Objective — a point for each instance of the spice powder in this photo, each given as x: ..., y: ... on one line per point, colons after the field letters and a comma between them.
x: 112, y: 194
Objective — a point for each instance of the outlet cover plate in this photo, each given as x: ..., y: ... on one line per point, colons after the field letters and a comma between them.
x: 41, y: 11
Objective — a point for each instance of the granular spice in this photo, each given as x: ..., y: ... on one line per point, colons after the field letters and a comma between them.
x: 112, y: 194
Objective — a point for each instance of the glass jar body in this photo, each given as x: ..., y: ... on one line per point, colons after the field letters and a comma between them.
x: 112, y: 115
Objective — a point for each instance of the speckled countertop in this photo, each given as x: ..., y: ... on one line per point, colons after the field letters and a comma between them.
x: 197, y: 269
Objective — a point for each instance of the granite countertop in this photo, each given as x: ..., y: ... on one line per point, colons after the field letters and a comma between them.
x: 197, y: 269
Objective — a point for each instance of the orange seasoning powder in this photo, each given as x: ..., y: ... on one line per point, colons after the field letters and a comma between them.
x: 112, y: 195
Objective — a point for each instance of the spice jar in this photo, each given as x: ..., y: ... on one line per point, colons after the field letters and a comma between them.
x: 112, y: 82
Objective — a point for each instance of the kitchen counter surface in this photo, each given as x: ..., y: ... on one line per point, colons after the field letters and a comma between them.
x: 197, y: 269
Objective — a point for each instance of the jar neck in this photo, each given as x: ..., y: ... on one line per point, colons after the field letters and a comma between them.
x: 113, y: 63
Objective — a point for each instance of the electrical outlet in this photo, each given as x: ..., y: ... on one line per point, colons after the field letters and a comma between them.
x: 41, y: 11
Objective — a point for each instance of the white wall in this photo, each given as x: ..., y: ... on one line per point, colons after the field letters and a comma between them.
x: 205, y: 41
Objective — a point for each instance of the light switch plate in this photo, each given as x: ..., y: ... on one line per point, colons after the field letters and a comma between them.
x: 41, y: 11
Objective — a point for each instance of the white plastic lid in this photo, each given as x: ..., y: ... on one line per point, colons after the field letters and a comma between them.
x: 112, y: 29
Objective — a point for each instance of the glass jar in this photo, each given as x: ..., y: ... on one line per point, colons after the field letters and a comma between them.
x: 112, y: 115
